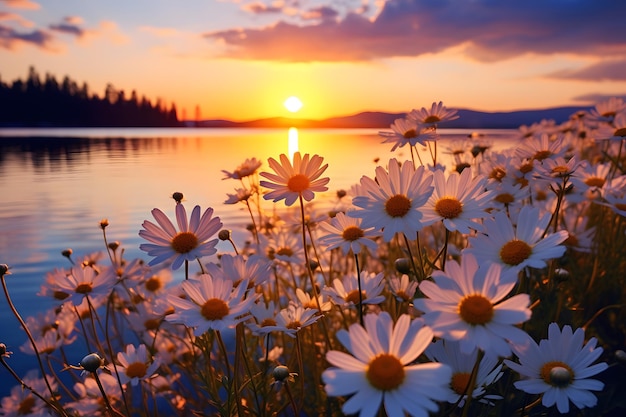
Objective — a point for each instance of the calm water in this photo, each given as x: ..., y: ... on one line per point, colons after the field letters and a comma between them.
x: 57, y: 184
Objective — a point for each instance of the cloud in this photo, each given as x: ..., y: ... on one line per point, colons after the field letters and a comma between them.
x: 593, y: 98
x: 6, y: 16
x: 11, y: 39
x: 160, y: 32
x: 323, y: 12
x: 70, y: 26
x: 609, y: 70
x: 22, y: 4
x: 489, y: 30
x: 260, y: 8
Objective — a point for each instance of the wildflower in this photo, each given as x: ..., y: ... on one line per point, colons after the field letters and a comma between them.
x: 559, y: 368
x: 462, y: 364
x: 264, y: 319
x: 438, y: 113
x: 380, y: 368
x: 292, y: 181
x: 255, y: 269
x: 392, y: 200
x: 346, y: 233
x: 246, y: 169
x: 556, y: 172
x: 241, y: 194
x: 346, y: 292
x: 457, y: 202
x: 615, y: 131
x: 406, y: 131
x: 541, y: 147
x: 295, y: 317
x: 607, y: 110
x: 403, y: 288
x: 517, y: 247
x: 22, y: 402
x: 210, y: 303
x: 468, y: 304
x: 89, y: 401
x: 305, y: 300
x: 83, y: 281
x: 135, y: 365
x: 282, y: 375
x: 590, y: 181
x: 187, y: 244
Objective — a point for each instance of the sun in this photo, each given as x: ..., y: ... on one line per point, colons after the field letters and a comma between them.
x: 293, y: 104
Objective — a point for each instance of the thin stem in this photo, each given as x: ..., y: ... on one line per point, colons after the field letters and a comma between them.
x: 104, y: 395
x: 469, y: 390
x: 358, y: 278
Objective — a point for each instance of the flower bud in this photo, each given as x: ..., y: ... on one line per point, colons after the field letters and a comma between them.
x: 280, y: 373
x: 177, y: 196
x: 4, y: 269
x: 403, y: 265
x: 92, y: 362
x: 224, y: 234
x: 104, y: 223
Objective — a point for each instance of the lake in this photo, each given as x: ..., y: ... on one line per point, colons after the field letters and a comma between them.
x: 58, y: 184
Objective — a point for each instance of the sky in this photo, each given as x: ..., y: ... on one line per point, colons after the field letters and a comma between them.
x: 240, y: 59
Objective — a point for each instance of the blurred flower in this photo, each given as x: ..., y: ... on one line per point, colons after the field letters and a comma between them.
x: 264, y: 319
x: 468, y: 304
x: 346, y: 233
x: 406, y: 131
x: 559, y: 368
x: 295, y: 317
x: 188, y: 244
x: 403, y: 288
x: 135, y: 365
x: 83, y: 281
x: 247, y: 168
x: 438, y: 113
x: 517, y: 247
x: 392, y: 200
x: 241, y: 194
x: 89, y: 401
x: 256, y: 269
x: 607, y: 110
x: 210, y: 303
x: 345, y: 292
x: 380, y: 368
x: 22, y: 402
x: 458, y: 202
x: 292, y: 181
x: 306, y: 300
x: 541, y: 147
x: 615, y: 131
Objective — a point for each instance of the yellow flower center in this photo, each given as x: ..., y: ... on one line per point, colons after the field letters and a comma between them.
x: 84, y: 288
x: 504, y: 198
x: 411, y: 133
x: 432, y: 119
x: 153, y: 284
x: 449, y: 207
x: 385, y: 372
x: 560, y: 170
x: 557, y: 373
x: 526, y: 168
x: 184, y: 242
x: 214, y: 309
x: 284, y: 252
x: 541, y: 155
x: 268, y: 322
x: 398, y: 205
x: 136, y: 370
x: 298, y: 183
x: 26, y: 406
x: 497, y: 174
x: 353, y: 296
x: 352, y: 233
x: 476, y: 309
x: 595, y: 182
x: 515, y: 252
x: 294, y: 325
x: 460, y: 381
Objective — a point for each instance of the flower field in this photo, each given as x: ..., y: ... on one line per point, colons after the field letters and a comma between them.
x: 463, y: 281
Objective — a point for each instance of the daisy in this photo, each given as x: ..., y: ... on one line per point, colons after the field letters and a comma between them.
x: 406, y: 131
x: 607, y: 110
x: 615, y: 131
x: 462, y: 364
x: 210, y: 303
x: 89, y: 401
x: 189, y: 243
x: 438, y: 113
x: 541, y: 147
x: 264, y: 319
x: 559, y: 368
x: 306, y: 300
x: 469, y: 304
x: 403, y: 288
x: 515, y: 248
x: 346, y: 292
x: 457, y: 201
x: 81, y: 281
x: 391, y: 201
x: 135, y: 365
x: 380, y: 369
x: 255, y: 269
x: 295, y: 317
x: 590, y: 180
x: 246, y: 169
x: 346, y: 233
x: 241, y: 194
x: 302, y: 179
x: 22, y: 402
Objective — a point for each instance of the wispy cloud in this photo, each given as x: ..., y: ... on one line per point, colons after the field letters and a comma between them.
x: 70, y: 25
x: 609, y: 70
x: 7, y: 17
x: 488, y: 30
x: 22, y: 4
x: 11, y: 39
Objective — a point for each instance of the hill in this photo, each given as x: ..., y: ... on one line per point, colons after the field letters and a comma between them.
x: 468, y: 119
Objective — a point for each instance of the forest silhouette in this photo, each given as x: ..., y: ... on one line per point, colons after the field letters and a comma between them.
x: 34, y: 102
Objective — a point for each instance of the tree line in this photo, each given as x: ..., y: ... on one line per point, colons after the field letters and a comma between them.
x: 37, y: 102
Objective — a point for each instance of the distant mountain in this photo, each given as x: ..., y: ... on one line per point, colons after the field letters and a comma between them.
x: 468, y: 119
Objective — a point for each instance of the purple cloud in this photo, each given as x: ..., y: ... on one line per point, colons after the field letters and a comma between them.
x: 610, y: 70
x: 9, y: 38
x: 492, y: 30
x: 70, y: 26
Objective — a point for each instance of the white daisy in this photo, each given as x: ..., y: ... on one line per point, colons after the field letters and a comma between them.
x: 345, y: 292
x: 438, y: 113
x: 136, y: 365
x: 517, y: 247
x: 392, y: 200
x: 457, y: 201
x: 559, y: 368
x: 380, y: 369
x: 188, y: 243
x: 406, y: 131
x: 346, y: 233
x: 469, y: 304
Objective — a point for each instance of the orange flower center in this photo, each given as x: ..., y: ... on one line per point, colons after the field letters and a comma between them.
x: 504, y: 198
x: 620, y: 132
x: 560, y: 170
x: 432, y: 119
x: 460, y: 381
x: 449, y: 207
x: 298, y: 183
x: 353, y: 296
x: 515, y: 252
x: 385, y: 372
x: 526, y: 168
x: 352, y: 233
x: 595, y: 182
x: 411, y: 133
x: 497, y: 174
x: 214, y: 309
x: 398, y: 205
x: 184, y: 242
x: 476, y: 309
x: 136, y: 370
x: 620, y: 206
x: 268, y: 322
x: 84, y: 288
x: 284, y: 252
x: 541, y: 155
x: 60, y: 295
x: 153, y: 284
x: 557, y: 373
x: 294, y: 325
x: 151, y: 324
x: 26, y: 406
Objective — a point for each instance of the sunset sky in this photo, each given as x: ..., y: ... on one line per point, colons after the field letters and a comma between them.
x: 240, y: 59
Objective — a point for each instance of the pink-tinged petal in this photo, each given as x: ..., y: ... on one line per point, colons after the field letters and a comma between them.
x: 344, y: 361
x: 164, y: 222
x: 181, y: 218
